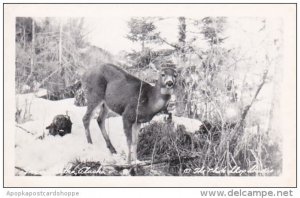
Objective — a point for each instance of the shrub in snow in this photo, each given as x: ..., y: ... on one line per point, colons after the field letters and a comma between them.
x: 163, y: 140
x: 59, y: 92
x: 23, y: 112
x: 80, y: 98
x: 25, y: 89
x: 172, y: 149
x: 70, y: 91
x: 18, y: 115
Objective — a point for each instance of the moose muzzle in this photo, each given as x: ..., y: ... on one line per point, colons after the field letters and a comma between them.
x: 169, y: 84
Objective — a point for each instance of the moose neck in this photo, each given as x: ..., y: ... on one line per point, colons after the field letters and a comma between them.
x: 157, y: 99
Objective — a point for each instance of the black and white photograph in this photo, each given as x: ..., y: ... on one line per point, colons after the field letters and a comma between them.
x: 102, y: 94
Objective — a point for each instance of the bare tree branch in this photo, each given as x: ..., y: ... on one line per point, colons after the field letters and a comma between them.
x: 166, y: 42
x: 24, y: 129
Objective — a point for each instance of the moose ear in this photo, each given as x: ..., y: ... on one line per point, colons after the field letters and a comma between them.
x: 179, y: 70
x: 154, y: 67
x: 175, y: 74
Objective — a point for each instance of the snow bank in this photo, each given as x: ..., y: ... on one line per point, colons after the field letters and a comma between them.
x: 191, y: 125
x: 49, y: 155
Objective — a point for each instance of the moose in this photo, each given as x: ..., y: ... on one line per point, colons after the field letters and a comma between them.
x: 108, y: 87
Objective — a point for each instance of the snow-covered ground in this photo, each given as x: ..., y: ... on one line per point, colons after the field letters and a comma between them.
x: 50, y: 155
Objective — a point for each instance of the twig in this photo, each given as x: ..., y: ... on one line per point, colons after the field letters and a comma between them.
x: 166, y: 42
x: 232, y: 158
x: 207, y: 151
x: 138, y: 104
x: 24, y: 129
x: 49, y: 76
x: 20, y: 169
x: 247, y: 108
x: 152, y: 156
x: 180, y: 164
x: 227, y: 158
x: 149, y: 162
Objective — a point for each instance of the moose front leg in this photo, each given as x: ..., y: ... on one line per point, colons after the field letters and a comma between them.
x: 135, y: 134
x: 128, y: 132
x: 131, y: 131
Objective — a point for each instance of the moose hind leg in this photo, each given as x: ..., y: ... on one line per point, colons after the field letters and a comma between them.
x: 101, y: 123
x: 87, y: 119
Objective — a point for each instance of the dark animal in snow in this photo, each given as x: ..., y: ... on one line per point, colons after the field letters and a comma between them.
x: 61, y: 125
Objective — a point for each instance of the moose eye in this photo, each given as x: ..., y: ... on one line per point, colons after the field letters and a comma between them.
x: 175, y: 75
x: 163, y: 75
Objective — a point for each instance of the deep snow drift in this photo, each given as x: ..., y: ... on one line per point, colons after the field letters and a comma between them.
x: 51, y: 154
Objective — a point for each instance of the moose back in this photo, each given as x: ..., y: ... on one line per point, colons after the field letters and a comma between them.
x: 109, y: 87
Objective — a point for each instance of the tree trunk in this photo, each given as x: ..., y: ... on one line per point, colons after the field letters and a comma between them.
x: 143, y: 46
x: 32, y: 46
x: 182, y: 39
x: 32, y: 58
x: 24, y: 47
x: 60, y: 43
x: 63, y: 71
x: 24, y: 37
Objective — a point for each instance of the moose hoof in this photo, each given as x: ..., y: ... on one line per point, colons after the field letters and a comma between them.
x: 112, y: 150
x: 90, y: 141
